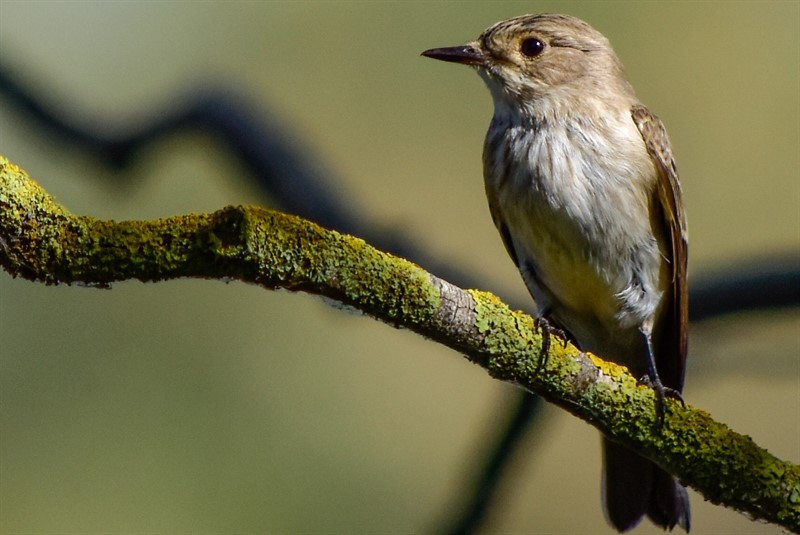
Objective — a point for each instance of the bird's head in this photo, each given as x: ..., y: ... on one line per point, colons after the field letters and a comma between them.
x: 531, y: 57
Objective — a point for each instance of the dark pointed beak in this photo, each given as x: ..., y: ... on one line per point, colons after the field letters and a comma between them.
x: 464, y: 54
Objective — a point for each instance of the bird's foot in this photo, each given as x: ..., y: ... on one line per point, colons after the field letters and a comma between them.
x: 662, y: 393
x: 548, y: 329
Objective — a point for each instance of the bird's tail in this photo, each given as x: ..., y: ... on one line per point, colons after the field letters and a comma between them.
x: 633, y: 487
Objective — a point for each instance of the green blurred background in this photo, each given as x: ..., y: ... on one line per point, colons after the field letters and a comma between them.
x: 202, y: 407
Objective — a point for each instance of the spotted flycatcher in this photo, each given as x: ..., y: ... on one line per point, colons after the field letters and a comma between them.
x: 584, y: 191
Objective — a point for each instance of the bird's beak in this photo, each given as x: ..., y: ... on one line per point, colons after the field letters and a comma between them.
x: 464, y: 54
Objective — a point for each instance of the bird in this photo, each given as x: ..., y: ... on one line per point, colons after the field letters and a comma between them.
x: 583, y: 188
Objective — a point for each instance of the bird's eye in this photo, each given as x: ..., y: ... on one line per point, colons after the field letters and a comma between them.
x: 531, y: 47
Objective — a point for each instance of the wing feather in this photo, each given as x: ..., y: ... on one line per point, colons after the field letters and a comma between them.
x: 671, y: 359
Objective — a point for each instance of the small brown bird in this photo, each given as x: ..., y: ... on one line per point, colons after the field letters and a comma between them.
x: 584, y: 191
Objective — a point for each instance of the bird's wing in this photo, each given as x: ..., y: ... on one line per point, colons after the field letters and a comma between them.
x: 671, y: 350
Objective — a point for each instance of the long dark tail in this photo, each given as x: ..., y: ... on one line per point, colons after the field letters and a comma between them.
x: 634, y: 487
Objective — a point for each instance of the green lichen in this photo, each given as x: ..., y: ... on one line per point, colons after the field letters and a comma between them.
x: 296, y: 254
x: 506, y: 340
x: 516, y: 344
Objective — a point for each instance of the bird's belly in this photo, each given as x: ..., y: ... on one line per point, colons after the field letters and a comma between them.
x: 562, y: 263
x: 578, y: 278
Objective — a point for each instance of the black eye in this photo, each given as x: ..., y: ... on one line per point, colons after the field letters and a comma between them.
x: 531, y: 47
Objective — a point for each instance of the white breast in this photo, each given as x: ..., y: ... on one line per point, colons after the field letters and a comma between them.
x: 576, y: 201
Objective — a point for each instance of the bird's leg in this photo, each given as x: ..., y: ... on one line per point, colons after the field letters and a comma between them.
x: 654, y: 381
x: 548, y: 329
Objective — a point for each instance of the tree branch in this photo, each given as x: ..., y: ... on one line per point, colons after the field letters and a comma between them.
x: 42, y: 241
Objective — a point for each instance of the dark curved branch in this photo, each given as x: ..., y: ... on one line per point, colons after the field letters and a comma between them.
x: 488, y: 478
x: 282, y: 166
x: 749, y: 285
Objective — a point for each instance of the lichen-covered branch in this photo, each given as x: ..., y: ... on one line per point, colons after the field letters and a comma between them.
x: 42, y: 241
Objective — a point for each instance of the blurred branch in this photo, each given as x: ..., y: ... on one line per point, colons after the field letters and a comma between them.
x: 283, y: 167
x: 487, y: 478
x: 42, y: 241
x: 748, y: 285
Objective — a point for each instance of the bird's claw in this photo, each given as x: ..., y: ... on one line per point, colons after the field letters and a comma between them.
x: 548, y: 329
x: 662, y: 393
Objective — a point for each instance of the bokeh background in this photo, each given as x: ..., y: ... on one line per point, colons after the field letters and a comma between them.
x: 202, y: 407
